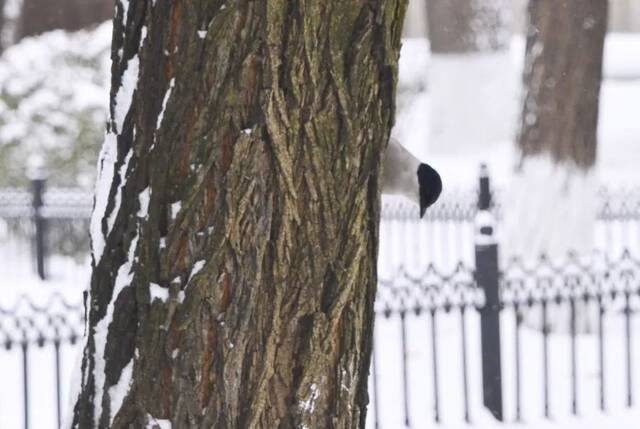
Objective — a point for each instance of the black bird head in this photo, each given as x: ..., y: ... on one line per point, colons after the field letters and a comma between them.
x: 430, y: 186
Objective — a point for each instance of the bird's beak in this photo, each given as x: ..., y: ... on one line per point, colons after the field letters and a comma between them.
x: 423, y: 205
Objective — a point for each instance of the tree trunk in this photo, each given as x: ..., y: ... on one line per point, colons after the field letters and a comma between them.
x: 235, y: 226
x: 39, y: 16
x: 471, y: 79
x: 563, y: 70
x: 2, y: 19
x: 458, y: 26
x: 552, y: 205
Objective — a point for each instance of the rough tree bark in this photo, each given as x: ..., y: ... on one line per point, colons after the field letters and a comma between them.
x: 563, y: 70
x: 39, y: 16
x: 235, y: 226
x: 457, y: 26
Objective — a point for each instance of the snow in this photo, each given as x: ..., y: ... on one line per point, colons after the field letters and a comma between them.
x: 414, y: 60
x: 621, y: 56
x: 122, y: 172
x: 453, y: 116
x: 568, y: 194
x: 143, y: 35
x: 309, y: 404
x: 158, y: 292
x: 123, y: 280
x: 75, y: 386
x: 154, y: 423
x: 106, y: 163
x: 618, y: 129
x: 119, y: 391
x: 197, y: 267
x: 52, y: 104
x: 467, y: 93
x: 175, y: 209
x: 420, y: 381
x: 164, y: 102
x: 107, y: 159
x: 124, y: 96
x: 618, y: 154
x: 143, y: 200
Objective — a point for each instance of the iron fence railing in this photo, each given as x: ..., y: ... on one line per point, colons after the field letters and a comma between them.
x: 56, y: 221
x: 525, y: 297
x: 26, y: 325
x: 551, y: 299
x: 570, y: 298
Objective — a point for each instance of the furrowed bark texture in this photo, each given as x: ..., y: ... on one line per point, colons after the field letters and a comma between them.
x: 236, y: 285
x: 563, y: 70
x: 459, y: 26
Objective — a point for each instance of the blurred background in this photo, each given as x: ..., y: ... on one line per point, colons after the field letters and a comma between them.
x: 513, y: 302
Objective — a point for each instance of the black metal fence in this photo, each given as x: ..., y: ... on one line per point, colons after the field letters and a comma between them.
x: 56, y: 222
x: 570, y: 298
x: 37, y: 224
x: 27, y: 326
x: 493, y: 311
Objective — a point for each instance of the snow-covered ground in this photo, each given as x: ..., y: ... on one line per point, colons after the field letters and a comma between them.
x: 449, y: 355
x: 619, y: 153
x: 618, y: 131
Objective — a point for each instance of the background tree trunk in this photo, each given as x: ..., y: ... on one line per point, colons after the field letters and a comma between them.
x: 457, y: 26
x: 39, y: 16
x: 471, y: 79
x: 235, y: 226
x: 563, y: 70
x: 552, y: 207
x: 2, y: 19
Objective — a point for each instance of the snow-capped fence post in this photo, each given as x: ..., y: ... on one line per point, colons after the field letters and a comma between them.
x: 39, y: 223
x: 487, y: 272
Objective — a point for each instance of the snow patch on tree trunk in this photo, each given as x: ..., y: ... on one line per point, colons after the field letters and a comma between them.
x: 153, y: 423
x: 106, y: 163
x: 143, y: 201
x: 123, y: 279
x: 158, y: 292
x: 125, y: 93
x: 118, y: 392
x: 122, y: 173
x: 107, y: 160
x: 167, y: 94
x: 550, y: 209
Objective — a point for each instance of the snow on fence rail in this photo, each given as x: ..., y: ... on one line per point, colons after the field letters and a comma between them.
x: 36, y: 344
x: 456, y: 332
x: 523, y: 342
x: 55, y: 222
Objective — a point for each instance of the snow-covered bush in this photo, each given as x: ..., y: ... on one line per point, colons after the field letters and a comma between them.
x: 53, y: 100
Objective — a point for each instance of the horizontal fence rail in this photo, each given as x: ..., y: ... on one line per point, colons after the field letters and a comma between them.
x: 453, y: 206
x: 572, y: 301
x: 530, y: 296
x: 454, y: 323
x: 26, y: 326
